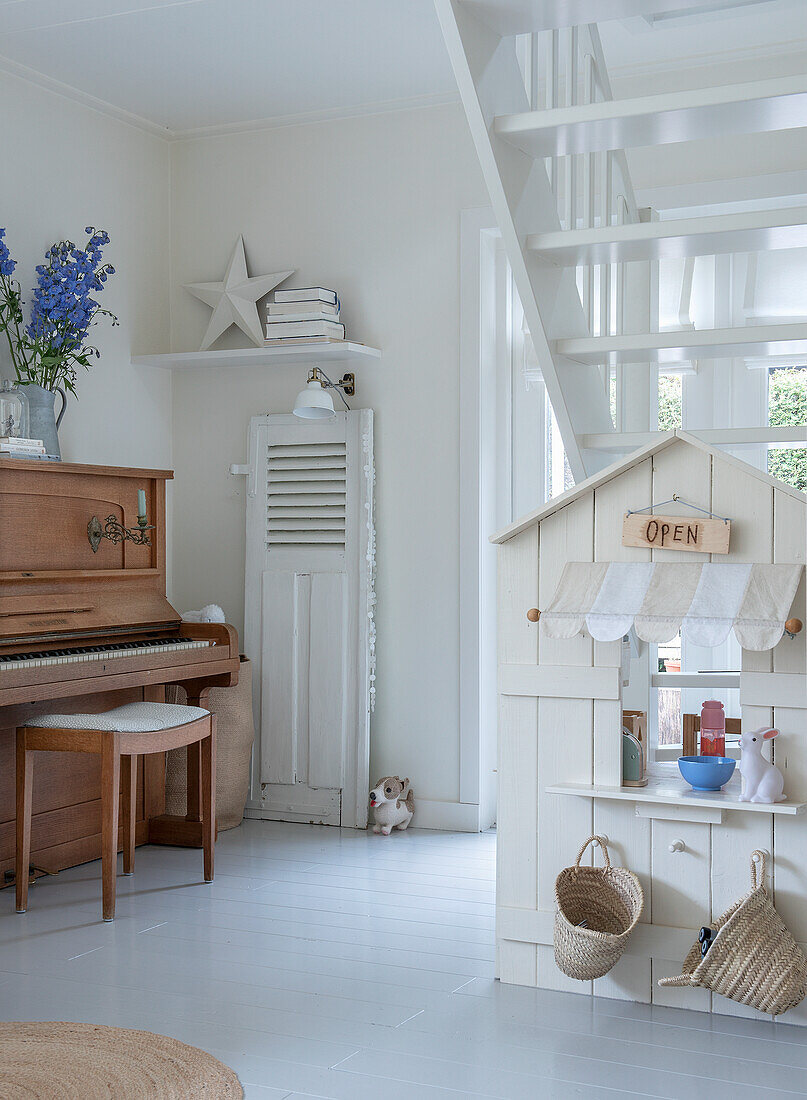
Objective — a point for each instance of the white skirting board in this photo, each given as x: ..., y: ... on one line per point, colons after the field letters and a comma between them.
x: 264, y: 814
x: 455, y: 817
x: 452, y: 817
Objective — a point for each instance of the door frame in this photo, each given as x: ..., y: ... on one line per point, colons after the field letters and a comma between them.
x: 478, y: 492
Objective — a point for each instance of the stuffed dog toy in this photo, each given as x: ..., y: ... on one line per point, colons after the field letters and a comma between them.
x: 392, y: 803
x: 210, y: 613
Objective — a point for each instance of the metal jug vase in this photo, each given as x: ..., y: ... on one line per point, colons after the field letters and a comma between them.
x: 43, y: 421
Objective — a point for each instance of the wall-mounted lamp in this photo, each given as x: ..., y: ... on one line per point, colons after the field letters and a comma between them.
x: 114, y: 530
x: 314, y: 402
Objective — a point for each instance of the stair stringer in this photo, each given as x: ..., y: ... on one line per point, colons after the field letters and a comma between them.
x: 490, y: 84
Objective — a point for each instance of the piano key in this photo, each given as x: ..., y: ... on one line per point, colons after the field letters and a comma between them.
x: 97, y: 653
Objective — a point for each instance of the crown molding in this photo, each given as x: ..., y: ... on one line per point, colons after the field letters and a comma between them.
x: 307, y: 118
x: 67, y: 91
x: 138, y: 122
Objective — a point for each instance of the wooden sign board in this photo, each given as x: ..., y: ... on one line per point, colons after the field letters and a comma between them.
x: 702, y: 536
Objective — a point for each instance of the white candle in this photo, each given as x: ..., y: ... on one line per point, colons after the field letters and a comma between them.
x: 141, y: 502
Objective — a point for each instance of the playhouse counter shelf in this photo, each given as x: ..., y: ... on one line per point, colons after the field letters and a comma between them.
x: 707, y: 806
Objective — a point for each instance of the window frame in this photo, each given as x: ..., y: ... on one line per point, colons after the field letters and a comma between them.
x: 663, y: 754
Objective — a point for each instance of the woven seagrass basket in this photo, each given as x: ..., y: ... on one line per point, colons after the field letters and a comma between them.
x: 754, y: 958
x: 609, y: 900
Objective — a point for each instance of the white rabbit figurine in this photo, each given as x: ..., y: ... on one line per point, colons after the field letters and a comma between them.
x: 392, y: 803
x: 762, y: 782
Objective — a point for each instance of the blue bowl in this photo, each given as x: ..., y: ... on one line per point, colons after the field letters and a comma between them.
x: 706, y: 773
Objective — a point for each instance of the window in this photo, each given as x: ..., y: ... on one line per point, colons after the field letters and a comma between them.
x: 558, y: 472
x: 670, y: 700
x: 787, y: 404
x: 669, y: 402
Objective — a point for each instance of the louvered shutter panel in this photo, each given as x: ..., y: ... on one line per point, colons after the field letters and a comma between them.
x: 306, y: 495
x: 309, y: 613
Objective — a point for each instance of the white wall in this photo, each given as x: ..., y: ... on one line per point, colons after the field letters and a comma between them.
x: 370, y: 206
x: 65, y: 166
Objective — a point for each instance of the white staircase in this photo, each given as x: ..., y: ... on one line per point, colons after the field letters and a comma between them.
x: 747, y: 231
x: 779, y: 104
x: 550, y: 139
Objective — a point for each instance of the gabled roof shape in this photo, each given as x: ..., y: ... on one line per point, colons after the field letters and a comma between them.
x: 665, y: 440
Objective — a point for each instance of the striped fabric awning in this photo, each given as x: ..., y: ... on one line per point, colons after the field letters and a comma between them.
x: 704, y: 600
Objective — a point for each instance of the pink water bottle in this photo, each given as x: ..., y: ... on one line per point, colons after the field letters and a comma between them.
x: 713, y: 729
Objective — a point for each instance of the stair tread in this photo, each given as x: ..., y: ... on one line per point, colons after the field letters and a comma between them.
x: 752, y: 107
x: 624, y: 442
x: 676, y: 347
x: 748, y: 231
x: 521, y: 16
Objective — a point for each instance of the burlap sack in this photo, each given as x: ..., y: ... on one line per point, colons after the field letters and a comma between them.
x: 235, y: 732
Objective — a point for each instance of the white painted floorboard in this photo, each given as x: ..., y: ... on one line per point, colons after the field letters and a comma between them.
x: 335, y: 964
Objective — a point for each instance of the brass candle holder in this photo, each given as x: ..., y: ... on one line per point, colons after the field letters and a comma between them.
x: 114, y: 530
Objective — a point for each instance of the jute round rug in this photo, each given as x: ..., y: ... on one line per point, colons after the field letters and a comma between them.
x: 60, y: 1061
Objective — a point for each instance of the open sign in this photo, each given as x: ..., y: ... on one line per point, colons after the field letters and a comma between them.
x: 704, y: 536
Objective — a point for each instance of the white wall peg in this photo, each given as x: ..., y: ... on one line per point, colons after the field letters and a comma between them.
x: 596, y: 841
x: 678, y: 846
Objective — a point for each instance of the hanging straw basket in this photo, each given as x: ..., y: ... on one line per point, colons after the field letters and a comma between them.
x: 609, y: 900
x: 753, y: 959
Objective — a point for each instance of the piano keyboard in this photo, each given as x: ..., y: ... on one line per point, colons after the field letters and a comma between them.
x: 95, y: 653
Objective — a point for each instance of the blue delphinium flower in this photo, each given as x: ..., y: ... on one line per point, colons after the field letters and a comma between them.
x: 54, y: 342
x: 7, y: 265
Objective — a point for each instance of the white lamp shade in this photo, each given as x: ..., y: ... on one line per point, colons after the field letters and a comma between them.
x: 313, y: 403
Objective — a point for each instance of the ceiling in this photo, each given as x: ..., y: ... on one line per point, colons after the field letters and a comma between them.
x: 183, y: 66
x: 190, y: 64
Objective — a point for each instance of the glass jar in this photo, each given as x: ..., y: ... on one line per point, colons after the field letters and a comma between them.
x: 713, y: 728
x: 13, y: 411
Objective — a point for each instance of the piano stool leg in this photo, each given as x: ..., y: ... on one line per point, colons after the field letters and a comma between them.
x: 110, y: 790
x: 208, y: 746
x: 193, y: 809
x: 194, y: 784
x: 25, y: 783
x: 129, y: 811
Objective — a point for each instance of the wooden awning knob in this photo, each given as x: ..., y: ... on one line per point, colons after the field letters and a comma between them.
x: 534, y: 615
x: 794, y: 627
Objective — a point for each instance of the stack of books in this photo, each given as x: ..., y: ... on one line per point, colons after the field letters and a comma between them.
x: 309, y: 315
x: 13, y: 446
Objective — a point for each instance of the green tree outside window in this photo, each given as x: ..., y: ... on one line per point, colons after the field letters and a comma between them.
x: 787, y: 405
x: 669, y: 402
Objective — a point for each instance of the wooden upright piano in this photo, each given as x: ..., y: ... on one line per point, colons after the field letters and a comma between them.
x: 85, y: 630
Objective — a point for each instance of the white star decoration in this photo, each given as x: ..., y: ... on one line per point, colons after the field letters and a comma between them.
x: 234, y: 299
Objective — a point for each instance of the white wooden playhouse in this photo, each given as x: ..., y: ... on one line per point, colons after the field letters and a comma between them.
x: 560, y: 721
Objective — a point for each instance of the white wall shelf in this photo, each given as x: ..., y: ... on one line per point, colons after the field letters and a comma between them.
x: 270, y: 356
x: 673, y: 792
